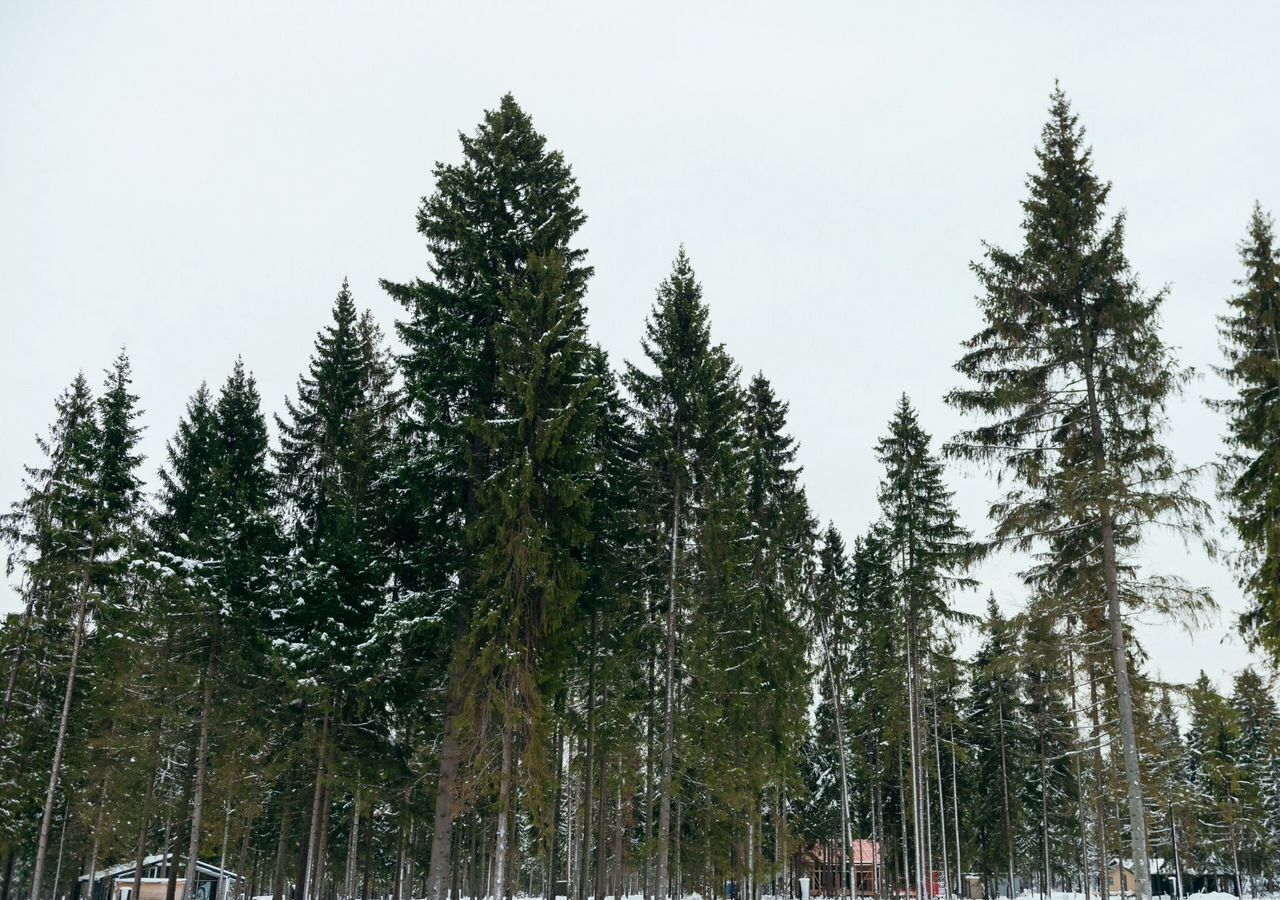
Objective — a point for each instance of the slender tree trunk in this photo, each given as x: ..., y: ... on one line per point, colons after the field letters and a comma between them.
x: 1104, y: 884
x: 1004, y: 788
x: 677, y: 870
x: 322, y: 836
x: 1119, y: 656
x: 282, y: 844
x: 367, y: 877
x: 504, y: 803
x: 846, y: 829
x: 647, y: 877
x: 601, y: 810
x: 446, y: 794
x: 96, y: 843
x: 197, y: 798
x: 311, y: 837
x: 397, y: 884
x: 588, y: 786
x: 558, y: 745
x: 618, y: 873
x: 669, y: 724
x: 242, y: 856
x: 1235, y: 862
x: 1081, y: 802
x: 353, y: 844
x: 144, y: 820
x: 60, y: 743
x: 62, y: 840
x: 913, y: 762
x: 942, y: 805
x: 955, y: 811
x: 221, y: 892
x: 171, y: 889
x: 902, y: 805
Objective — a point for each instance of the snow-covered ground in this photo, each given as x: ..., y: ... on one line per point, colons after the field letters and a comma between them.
x: 1025, y: 895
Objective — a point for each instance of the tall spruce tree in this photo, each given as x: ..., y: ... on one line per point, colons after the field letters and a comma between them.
x: 49, y: 530
x: 332, y: 460
x: 1071, y: 379
x: 1001, y: 749
x: 927, y: 549
x: 509, y: 200
x: 689, y: 404
x: 74, y: 533
x: 534, y: 518
x: 1249, y: 475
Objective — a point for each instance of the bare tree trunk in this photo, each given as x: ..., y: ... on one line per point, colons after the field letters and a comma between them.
x: 278, y: 875
x: 60, y: 743
x: 618, y: 873
x: 1004, y: 788
x: 1120, y: 659
x: 846, y: 829
x: 955, y: 811
x: 322, y: 836
x: 1044, y: 810
x: 647, y: 876
x: 588, y: 786
x: 504, y: 804
x: 311, y: 837
x: 601, y: 810
x: 669, y: 725
x: 96, y: 843
x: 62, y: 840
x: 353, y: 844
x: 367, y: 878
x: 144, y: 819
x: 558, y: 749
x: 197, y: 798
x: 1081, y: 802
x: 902, y: 806
x: 221, y: 892
x: 242, y: 856
x: 1104, y: 885
x: 397, y: 885
x: 942, y: 805
x: 446, y: 795
x: 171, y: 863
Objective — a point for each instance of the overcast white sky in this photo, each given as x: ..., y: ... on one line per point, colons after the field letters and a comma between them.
x: 193, y: 182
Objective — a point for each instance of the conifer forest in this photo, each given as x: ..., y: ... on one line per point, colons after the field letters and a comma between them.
x: 481, y: 612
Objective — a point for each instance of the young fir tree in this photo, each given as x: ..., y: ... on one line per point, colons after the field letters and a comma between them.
x: 332, y: 458
x: 509, y: 200
x: 928, y: 549
x: 1257, y: 733
x: 1000, y: 752
x: 1049, y: 784
x: 91, y: 498
x: 689, y: 406
x: 1071, y: 379
x: 1213, y: 741
x: 834, y: 624
x: 756, y: 657
x: 216, y: 541
x: 1249, y: 476
x: 49, y: 531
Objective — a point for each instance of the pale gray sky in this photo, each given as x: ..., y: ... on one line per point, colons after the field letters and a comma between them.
x: 194, y: 181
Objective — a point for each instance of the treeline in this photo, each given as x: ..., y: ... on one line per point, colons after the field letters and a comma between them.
x: 484, y: 615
